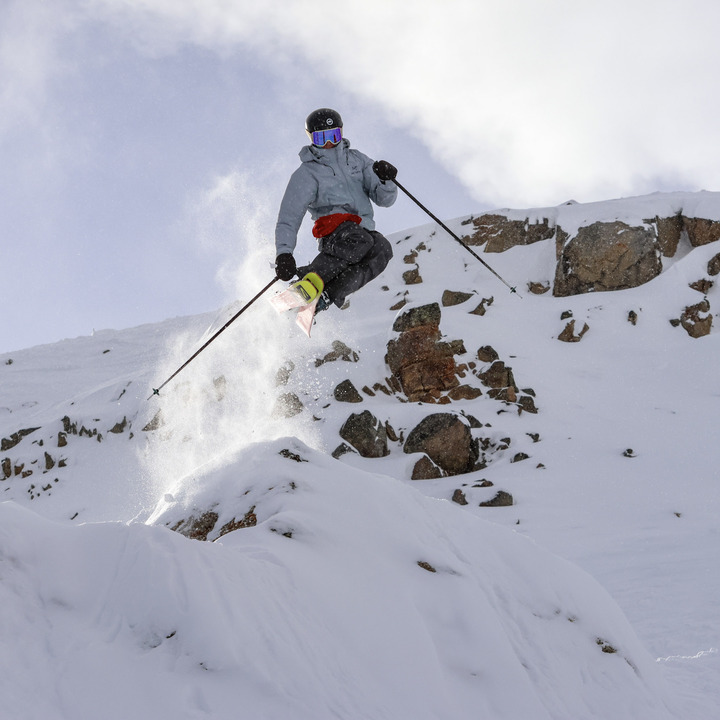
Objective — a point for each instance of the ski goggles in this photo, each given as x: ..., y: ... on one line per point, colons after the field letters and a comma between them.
x: 320, y: 138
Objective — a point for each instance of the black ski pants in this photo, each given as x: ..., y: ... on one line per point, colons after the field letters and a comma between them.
x: 349, y: 258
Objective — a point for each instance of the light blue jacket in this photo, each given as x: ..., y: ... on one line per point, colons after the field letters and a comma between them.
x: 336, y: 180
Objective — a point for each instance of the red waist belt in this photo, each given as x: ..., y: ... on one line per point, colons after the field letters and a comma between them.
x: 329, y: 223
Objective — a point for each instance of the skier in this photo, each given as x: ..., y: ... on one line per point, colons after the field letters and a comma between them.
x: 336, y: 184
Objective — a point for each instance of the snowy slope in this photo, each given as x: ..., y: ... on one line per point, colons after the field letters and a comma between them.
x: 107, y: 607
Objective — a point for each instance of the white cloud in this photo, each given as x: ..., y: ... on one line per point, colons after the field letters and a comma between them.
x: 30, y: 32
x: 524, y: 101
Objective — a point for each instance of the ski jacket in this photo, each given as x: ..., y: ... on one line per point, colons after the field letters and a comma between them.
x: 334, y: 180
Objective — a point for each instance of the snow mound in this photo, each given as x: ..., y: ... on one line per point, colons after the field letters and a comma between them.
x: 353, y: 596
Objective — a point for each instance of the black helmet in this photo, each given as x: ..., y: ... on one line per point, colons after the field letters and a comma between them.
x: 323, y: 119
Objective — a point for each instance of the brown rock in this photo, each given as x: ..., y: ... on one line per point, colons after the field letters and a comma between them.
x: 481, y: 309
x: 696, y: 325
x: 412, y: 277
x: 459, y: 497
x: 606, y: 256
x: 340, y: 351
x: 447, y: 441
x: 248, y: 520
x: 346, y: 392
x: 527, y: 404
x: 701, y: 231
x: 568, y: 334
x: 423, y: 367
x: 454, y: 297
x: 714, y: 265
x: 426, y: 469
x: 15, y: 438
x: 702, y: 286
x: 366, y: 434
x: 197, y: 528
x: 502, y: 499
x: 487, y: 354
x: 669, y: 231
x: 418, y: 317
x: 498, y: 233
x: 538, y: 288
x: 498, y: 376
x: 464, y: 392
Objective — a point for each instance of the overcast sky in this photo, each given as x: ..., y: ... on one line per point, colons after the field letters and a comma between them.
x: 145, y: 144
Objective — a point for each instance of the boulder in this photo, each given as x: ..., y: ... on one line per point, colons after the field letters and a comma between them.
x: 423, y: 366
x: 364, y: 432
x: 347, y: 392
x: 418, y: 317
x: 606, y: 256
x: 426, y: 469
x: 446, y: 439
x: 501, y: 499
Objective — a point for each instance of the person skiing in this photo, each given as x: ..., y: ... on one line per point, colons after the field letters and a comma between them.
x: 337, y: 185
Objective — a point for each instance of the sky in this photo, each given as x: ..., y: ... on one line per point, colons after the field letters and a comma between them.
x: 145, y: 144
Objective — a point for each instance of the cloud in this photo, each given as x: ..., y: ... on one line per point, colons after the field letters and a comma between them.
x: 524, y: 101
x: 233, y: 220
x: 30, y: 33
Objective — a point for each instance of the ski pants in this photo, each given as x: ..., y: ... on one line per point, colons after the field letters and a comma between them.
x: 349, y: 258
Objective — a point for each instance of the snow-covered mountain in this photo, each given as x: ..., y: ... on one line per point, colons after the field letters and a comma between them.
x: 332, y: 585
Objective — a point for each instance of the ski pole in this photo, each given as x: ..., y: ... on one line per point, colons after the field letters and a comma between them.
x: 156, y: 391
x: 455, y: 237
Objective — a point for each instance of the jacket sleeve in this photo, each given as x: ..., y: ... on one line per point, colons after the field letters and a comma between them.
x: 299, y: 194
x: 382, y: 194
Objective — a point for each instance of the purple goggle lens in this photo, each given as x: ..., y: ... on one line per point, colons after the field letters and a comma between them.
x: 322, y: 137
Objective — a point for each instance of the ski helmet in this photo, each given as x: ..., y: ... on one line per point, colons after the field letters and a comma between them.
x: 323, y: 126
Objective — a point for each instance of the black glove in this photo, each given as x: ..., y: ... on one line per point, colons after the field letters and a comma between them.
x: 384, y: 170
x: 285, y: 267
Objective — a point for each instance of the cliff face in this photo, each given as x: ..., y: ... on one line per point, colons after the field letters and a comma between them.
x: 613, y: 245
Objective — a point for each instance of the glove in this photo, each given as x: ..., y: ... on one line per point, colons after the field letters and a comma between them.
x: 384, y: 170
x: 285, y: 266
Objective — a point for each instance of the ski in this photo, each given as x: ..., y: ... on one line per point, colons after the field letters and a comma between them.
x: 306, y: 316
x: 304, y: 295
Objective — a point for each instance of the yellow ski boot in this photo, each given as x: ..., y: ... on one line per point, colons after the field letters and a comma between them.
x: 309, y: 287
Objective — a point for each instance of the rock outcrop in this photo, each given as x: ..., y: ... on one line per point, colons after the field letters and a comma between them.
x: 498, y: 233
x: 422, y: 365
x: 597, y: 255
x: 606, y: 256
